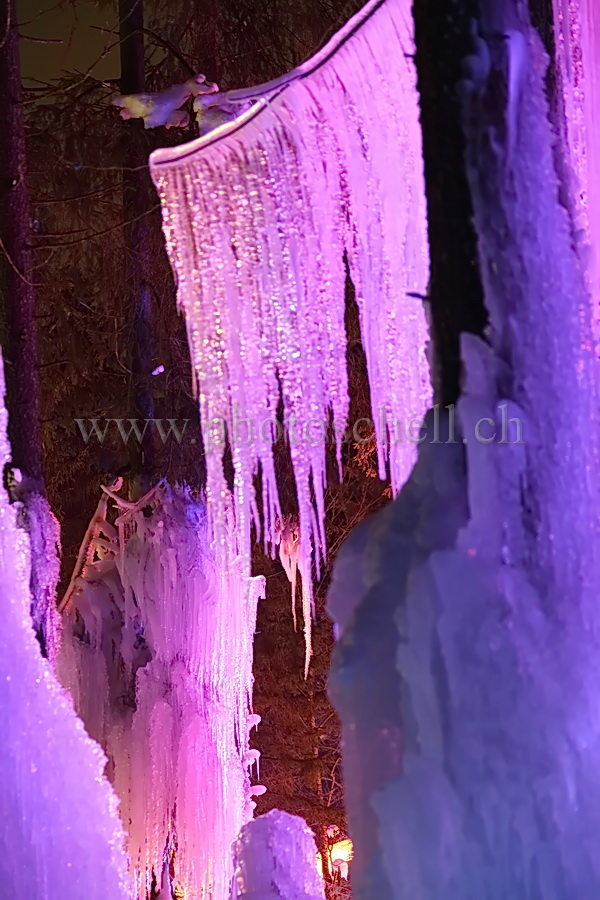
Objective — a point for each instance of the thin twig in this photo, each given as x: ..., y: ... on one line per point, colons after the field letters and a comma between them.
x: 42, y: 12
x: 7, y: 27
x: 96, y: 234
x: 157, y: 37
x: 100, y: 192
x: 15, y: 268
x: 38, y: 40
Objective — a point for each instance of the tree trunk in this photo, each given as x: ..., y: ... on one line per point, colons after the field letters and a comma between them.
x: 137, y: 190
x: 455, y: 294
x: 19, y: 338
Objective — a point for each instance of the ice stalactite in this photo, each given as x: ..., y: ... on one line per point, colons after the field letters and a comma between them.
x: 60, y: 835
x: 471, y: 739
x: 158, y: 654
x: 258, y: 218
x: 287, y: 539
x: 276, y: 860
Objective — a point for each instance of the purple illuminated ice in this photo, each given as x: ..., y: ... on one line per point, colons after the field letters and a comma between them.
x: 467, y: 672
x: 276, y: 859
x: 60, y: 834
x: 259, y: 218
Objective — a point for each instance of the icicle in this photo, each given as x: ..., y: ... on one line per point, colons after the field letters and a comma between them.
x: 253, y: 721
x: 253, y: 758
x: 287, y: 537
x: 258, y: 216
x: 170, y: 625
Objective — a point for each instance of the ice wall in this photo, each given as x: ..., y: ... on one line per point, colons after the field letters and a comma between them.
x: 60, y: 834
x: 157, y: 653
x: 472, y: 736
x: 476, y: 771
x: 372, y: 576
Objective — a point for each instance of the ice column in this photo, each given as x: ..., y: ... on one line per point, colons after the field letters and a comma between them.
x: 158, y: 655
x: 472, y: 746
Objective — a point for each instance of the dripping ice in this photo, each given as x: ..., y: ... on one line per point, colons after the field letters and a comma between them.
x: 257, y: 224
x: 157, y: 652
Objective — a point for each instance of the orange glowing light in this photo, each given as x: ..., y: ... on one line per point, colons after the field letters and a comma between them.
x: 340, y: 855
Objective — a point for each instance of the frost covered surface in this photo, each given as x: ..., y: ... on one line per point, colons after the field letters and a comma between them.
x: 275, y: 857
x: 60, y: 834
x: 475, y: 771
x: 540, y: 325
x: 158, y: 654
x: 482, y: 719
x: 577, y: 36
x: 257, y: 219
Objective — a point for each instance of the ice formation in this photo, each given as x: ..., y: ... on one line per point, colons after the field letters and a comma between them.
x: 275, y: 860
x: 287, y: 539
x: 158, y: 655
x: 44, y: 539
x: 467, y: 669
x: 61, y: 838
x: 258, y: 218
x: 577, y: 38
x: 43, y: 529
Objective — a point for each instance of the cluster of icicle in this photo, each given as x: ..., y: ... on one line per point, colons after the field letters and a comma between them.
x: 157, y: 653
x: 60, y: 835
x: 259, y: 218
